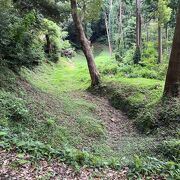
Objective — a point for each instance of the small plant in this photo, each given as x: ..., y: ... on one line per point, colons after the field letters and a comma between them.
x: 170, y: 149
x: 150, y: 167
x: 4, y: 122
x: 146, y: 120
x: 50, y: 122
x: 12, y: 107
x: 38, y: 151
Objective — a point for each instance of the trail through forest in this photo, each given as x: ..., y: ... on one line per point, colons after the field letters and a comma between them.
x: 119, y: 127
x: 83, y: 121
x: 71, y: 81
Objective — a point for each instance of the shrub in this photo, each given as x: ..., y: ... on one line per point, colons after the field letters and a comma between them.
x: 151, y: 167
x: 137, y: 71
x: 110, y: 69
x: 21, y: 38
x: 56, y: 37
x: 170, y: 149
x: 149, y: 54
x: 19, y: 45
x: 146, y: 120
x: 161, y: 114
x: 12, y: 107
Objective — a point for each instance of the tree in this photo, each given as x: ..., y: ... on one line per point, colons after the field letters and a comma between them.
x: 108, y: 17
x: 164, y: 14
x: 172, y: 85
x: 137, y: 56
x: 86, y: 46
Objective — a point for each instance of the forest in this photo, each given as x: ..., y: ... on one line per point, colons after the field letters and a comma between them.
x: 90, y: 89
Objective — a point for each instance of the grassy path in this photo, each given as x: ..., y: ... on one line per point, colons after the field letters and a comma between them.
x: 90, y: 122
x: 64, y: 115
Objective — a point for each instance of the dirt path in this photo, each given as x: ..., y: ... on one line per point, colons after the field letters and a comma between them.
x: 117, y: 123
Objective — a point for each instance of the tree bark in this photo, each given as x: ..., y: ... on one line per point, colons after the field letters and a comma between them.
x: 172, y: 85
x: 147, y: 35
x: 160, y: 54
x: 138, y: 23
x: 107, y: 17
x: 167, y: 39
x: 108, y: 34
x: 138, y: 32
x: 94, y: 74
x: 120, y: 20
x: 48, y: 44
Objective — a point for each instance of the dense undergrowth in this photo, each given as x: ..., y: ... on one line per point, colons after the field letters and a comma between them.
x: 43, y: 117
x: 139, y: 96
x: 142, y: 100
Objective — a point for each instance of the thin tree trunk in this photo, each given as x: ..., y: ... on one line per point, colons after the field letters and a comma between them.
x: 172, y: 85
x: 48, y: 44
x: 167, y: 39
x: 137, y: 56
x: 110, y: 19
x: 120, y: 20
x: 108, y: 34
x: 147, y: 35
x: 160, y: 54
x: 108, y: 26
x: 95, y: 77
x: 138, y: 23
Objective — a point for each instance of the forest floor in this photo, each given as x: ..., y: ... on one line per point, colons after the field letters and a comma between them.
x: 106, y: 131
x: 58, y: 95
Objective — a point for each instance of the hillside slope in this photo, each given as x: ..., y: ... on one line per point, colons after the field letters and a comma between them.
x: 51, y: 105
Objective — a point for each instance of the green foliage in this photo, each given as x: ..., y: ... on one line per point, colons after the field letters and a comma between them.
x: 56, y: 37
x: 91, y: 126
x: 164, y: 113
x: 90, y: 9
x: 163, y: 12
x: 108, y: 69
x: 21, y: 43
x: 149, y: 54
x: 136, y: 71
x: 151, y: 167
x: 170, y: 149
x: 12, y: 107
x: 50, y: 122
x: 40, y: 151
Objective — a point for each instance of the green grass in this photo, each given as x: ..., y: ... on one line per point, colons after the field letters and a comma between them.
x: 55, y: 115
x: 58, y: 115
x: 74, y: 123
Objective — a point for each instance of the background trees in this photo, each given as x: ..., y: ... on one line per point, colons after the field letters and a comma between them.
x: 137, y: 32
x: 23, y: 30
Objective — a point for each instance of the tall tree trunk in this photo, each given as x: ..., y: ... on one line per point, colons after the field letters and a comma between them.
x: 95, y: 77
x: 108, y: 34
x: 120, y: 22
x: 137, y: 56
x: 167, y: 39
x: 48, y: 44
x: 172, y: 85
x: 138, y: 24
x: 160, y: 54
x: 108, y: 26
x: 147, y: 34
